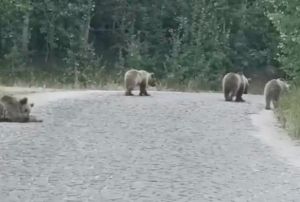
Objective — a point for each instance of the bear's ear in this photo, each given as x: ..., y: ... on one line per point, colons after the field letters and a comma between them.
x: 31, y: 105
x: 152, y: 74
x: 23, y: 101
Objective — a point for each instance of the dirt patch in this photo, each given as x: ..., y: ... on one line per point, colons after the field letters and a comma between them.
x: 271, y: 134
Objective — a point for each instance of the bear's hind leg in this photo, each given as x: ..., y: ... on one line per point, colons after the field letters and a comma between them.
x: 228, y: 95
x: 275, y: 104
x: 239, y: 99
x: 239, y: 94
x: 275, y: 101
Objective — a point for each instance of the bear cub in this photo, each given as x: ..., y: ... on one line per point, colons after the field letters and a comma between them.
x: 235, y: 85
x: 273, y: 90
x: 141, y: 78
x: 14, y: 110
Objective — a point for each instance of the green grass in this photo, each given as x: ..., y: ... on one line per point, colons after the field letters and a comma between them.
x: 288, y: 112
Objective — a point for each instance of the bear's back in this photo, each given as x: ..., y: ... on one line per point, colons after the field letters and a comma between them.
x: 231, y: 80
x: 283, y: 85
x: 272, y: 88
x: 132, y: 78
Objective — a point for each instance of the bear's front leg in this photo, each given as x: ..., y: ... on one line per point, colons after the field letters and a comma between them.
x: 228, y: 97
x: 146, y: 93
x: 143, y: 90
x: 34, y: 119
x: 128, y: 93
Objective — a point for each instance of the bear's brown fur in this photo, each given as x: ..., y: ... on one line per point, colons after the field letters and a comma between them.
x: 141, y: 78
x: 14, y: 110
x: 273, y: 90
x: 235, y: 85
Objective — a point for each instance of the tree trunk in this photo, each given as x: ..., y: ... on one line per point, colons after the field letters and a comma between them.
x: 76, y: 77
x: 86, y: 26
x: 25, y: 33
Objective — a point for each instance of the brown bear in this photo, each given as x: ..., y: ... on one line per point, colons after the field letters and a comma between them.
x: 235, y: 85
x: 141, y: 78
x: 273, y: 90
x: 14, y: 110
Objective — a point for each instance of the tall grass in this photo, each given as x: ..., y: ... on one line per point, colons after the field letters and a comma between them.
x: 60, y: 79
x: 289, y: 112
x: 57, y: 78
x: 104, y: 80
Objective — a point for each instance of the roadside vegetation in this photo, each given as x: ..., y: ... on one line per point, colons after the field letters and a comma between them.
x: 285, y: 17
x: 288, y: 113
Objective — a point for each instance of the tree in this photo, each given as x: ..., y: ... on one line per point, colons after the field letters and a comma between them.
x: 182, y: 41
x: 285, y: 16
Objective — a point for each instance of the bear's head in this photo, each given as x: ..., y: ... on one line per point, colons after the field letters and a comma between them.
x: 285, y: 86
x: 25, y: 107
x: 151, y: 80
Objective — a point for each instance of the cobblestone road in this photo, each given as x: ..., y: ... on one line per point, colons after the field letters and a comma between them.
x: 186, y: 147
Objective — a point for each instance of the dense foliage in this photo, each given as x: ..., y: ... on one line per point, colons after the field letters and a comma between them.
x: 181, y: 41
x: 285, y: 16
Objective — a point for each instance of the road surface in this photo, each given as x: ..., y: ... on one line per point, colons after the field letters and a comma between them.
x: 103, y: 146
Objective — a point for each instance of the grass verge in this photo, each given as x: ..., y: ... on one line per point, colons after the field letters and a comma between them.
x: 288, y: 112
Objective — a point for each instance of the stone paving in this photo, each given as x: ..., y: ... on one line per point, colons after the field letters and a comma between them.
x: 102, y: 147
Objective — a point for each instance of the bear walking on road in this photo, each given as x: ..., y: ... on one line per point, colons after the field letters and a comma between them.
x: 273, y: 90
x: 14, y: 110
x: 140, y: 78
x: 235, y: 85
